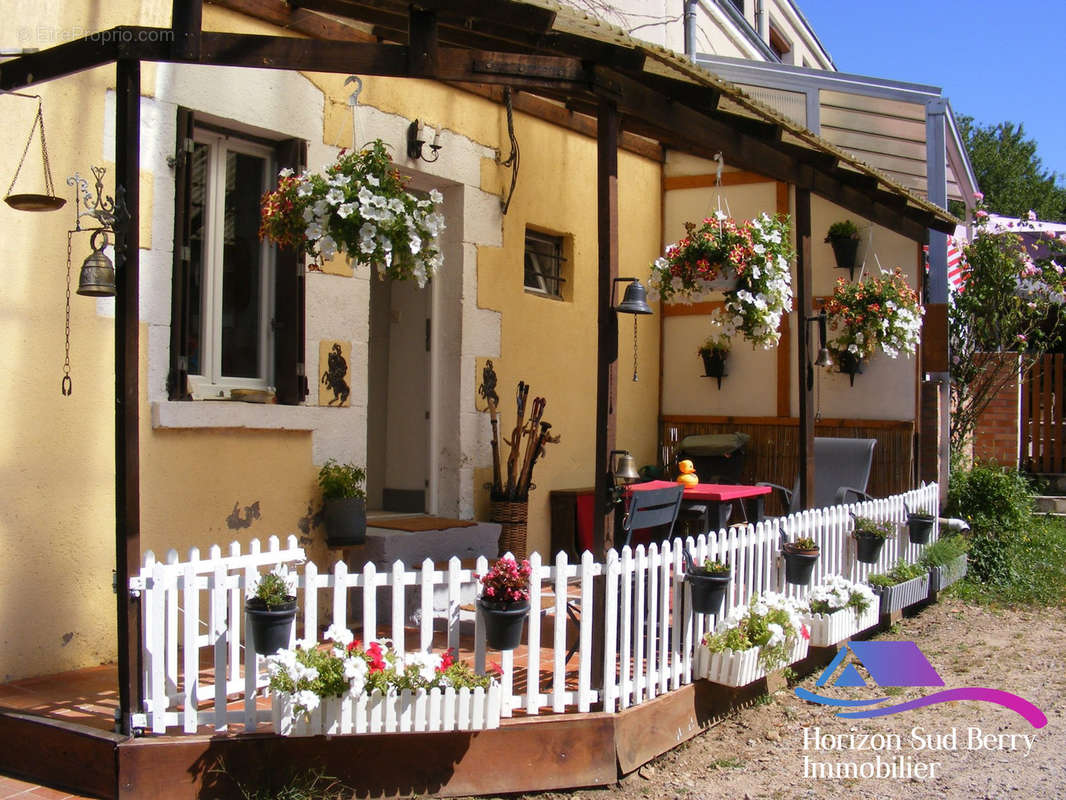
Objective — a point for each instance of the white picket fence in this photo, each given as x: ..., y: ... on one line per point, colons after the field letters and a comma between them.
x: 635, y: 631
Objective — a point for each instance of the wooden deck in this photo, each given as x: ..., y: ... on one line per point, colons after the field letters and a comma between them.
x: 55, y: 730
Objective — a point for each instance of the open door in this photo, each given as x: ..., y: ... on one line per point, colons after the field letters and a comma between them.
x: 398, y: 397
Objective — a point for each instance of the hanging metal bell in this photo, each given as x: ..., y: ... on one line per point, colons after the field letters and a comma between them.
x: 97, y: 277
x: 635, y: 300
x: 627, y: 469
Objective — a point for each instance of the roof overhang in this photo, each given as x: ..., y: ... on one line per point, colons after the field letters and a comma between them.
x: 537, y: 47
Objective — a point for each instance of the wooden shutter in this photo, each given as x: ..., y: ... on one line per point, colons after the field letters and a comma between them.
x: 288, y: 324
x: 177, y: 377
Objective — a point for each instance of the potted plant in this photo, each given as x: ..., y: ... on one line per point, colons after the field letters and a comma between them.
x: 919, y: 526
x: 358, y: 205
x: 946, y: 561
x: 839, y: 609
x: 876, y: 314
x: 713, y: 351
x: 504, y: 602
x: 343, y: 503
x: 843, y: 236
x: 757, y: 253
x: 270, y: 608
x: 903, y: 585
x: 800, y: 556
x: 343, y: 687
x: 753, y: 640
x: 870, y: 537
x: 708, y: 582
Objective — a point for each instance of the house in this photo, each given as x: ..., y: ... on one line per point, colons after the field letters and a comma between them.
x: 204, y: 126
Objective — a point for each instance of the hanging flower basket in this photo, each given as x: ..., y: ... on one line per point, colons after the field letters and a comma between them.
x: 919, y: 527
x: 359, y: 206
x: 708, y: 584
x: 877, y: 314
x: 800, y: 557
x: 758, y: 252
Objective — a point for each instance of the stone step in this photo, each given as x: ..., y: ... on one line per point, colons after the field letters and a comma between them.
x: 1050, y: 504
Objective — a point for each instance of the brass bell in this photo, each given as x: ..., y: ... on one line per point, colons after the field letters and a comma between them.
x: 97, y: 277
x: 635, y: 299
x: 627, y: 469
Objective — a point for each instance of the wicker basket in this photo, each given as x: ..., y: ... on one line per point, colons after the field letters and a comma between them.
x: 512, y: 516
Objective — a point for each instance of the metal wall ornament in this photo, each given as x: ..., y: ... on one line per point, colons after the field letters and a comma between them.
x: 97, y: 276
x: 35, y: 202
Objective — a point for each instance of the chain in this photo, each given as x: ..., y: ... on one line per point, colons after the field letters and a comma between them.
x: 634, y: 348
x: 67, y: 386
x: 49, y: 186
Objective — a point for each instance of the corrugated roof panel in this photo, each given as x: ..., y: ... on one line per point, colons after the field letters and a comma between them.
x: 792, y: 105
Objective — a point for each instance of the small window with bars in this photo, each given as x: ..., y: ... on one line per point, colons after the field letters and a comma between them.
x: 544, y: 263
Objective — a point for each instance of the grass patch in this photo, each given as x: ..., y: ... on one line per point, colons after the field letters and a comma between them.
x: 727, y: 763
x: 1031, y: 568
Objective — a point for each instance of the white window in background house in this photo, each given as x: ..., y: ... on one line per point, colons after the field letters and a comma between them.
x: 230, y: 269
x: 544, y: 263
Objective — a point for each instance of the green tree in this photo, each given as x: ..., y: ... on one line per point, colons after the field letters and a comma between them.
x: 1010, y: 173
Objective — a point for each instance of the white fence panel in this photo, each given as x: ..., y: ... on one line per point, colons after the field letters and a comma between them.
x: 629, y: 618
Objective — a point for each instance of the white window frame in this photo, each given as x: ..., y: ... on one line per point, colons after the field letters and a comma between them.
x: 211, y: 383
x: 544, y: 285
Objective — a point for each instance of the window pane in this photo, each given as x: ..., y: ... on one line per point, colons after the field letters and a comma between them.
x: 195, y: 291
x: 242, y: 273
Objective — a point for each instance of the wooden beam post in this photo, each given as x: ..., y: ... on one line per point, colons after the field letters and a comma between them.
x: 186, y: 18
x: 422, y: 53
x: 607, y: 320
x: 127, y: 360
x: 803, y: 341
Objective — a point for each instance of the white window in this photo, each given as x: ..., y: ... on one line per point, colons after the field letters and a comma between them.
x: 544, y: 264
x: 230, y: 280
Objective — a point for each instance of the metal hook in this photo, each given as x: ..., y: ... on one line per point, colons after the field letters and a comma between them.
x: 353, y: 98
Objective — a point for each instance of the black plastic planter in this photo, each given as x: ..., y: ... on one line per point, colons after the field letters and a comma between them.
x: 345, y: 521
x: 714, y: 365
x: 869, y: 547
x: 269, y: 628
x: 846, y: 253
x: 799, y: 567
x: 708, y: 591
x: 919, y: 527
x: 503, y: 623
x: 850, y: 365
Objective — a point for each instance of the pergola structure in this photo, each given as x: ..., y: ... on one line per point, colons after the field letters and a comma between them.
x: 564, y: 66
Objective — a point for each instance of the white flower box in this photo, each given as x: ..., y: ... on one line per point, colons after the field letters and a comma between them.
x: 436, y: 710
x: 902, y: 595
x: 943, y: 577
x: 828, y: 629
x: 739, y: 668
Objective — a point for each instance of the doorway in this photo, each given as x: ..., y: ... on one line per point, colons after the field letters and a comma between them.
x: 398, y: 397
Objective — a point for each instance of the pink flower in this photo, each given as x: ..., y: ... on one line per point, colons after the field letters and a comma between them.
x: 1032, y: 215
x: 979, y: 196
x: 981, y: 214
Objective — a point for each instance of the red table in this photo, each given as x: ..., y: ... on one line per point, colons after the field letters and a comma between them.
x: 717, y: 497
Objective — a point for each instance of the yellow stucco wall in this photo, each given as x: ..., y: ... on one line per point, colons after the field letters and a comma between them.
x: 551, y: 344
x: 202, y: 487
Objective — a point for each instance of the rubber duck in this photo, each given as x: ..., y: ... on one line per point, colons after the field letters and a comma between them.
x: 688, y: 475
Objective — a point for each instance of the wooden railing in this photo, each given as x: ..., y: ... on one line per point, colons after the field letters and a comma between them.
x: 635, y: 630
x: 1044, y: 417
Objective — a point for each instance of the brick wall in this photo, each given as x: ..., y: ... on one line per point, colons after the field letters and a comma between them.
x: 996, y: 435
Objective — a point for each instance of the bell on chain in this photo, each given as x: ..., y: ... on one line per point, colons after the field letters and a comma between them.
x: 97, y: 277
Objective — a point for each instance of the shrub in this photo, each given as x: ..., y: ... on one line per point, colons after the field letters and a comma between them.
x: 990, y: 498
x: 943, y: 551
